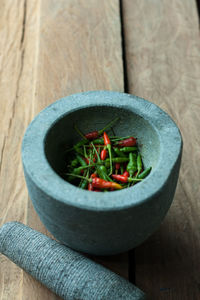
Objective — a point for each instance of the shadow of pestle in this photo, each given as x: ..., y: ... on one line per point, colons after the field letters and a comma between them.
x: 67, y: 273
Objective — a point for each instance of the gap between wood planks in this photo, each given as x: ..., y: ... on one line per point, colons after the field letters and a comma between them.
x: 131, y: 253
x: 198, y: 8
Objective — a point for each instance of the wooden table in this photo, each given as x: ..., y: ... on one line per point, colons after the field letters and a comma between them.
x: 150, y: 48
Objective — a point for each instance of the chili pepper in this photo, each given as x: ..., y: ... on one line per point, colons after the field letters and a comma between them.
x: 93, y: 175
x: 144, y: 173
x: 78, y: 150
x: 77, y: 146
x: 94, y: 134
x: 127, y: 142
x: 98, y: 141
x: 107, y: 143
x: 128, y: 149
x: 88, y: 161
x: 103, y: 184
x: 132, y: 165
x: 120, y: 178
x: 122, y: 169
x: 103, y: 154
x: 75, y: 171
x: 126, y: 173
x: 118, y: 152
x: 117, y: 167
x: 84, y: 184
x: 81, y: 160
x: 90, y: 187
x: 139, y: 164
x: 125, y: 179
x: 96, y: 152
x: 117, y: 160
x: 74, y: 162
x: 102, y: 172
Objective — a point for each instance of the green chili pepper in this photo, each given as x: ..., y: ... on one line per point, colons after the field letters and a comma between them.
x: 118, y: 159
x: 75, y: 171
x: 81, y: 143
x: 132, y: 165
x: 81, y: 160
x: 74, y: 162
x: 128, y: 149
x: 98, y: 141
x: 144, y: 173
x: 139, y: 164
x: 78, y: 150
x: 101, y: 173
x: 118, y: 152
x: 104, y: 173
x: 84, y: 182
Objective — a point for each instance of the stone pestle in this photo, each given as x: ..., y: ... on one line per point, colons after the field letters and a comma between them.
x: 67, y: 273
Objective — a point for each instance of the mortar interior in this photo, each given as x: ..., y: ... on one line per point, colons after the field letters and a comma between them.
x: 62, y: 133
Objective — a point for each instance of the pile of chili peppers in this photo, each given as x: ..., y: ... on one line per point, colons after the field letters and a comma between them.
x: 102, y: 162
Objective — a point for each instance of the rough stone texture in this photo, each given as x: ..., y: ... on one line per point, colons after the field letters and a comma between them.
x: 101, y: 223
x: 66, y: 272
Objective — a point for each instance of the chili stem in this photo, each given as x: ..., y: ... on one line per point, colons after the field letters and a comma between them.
x: 78, y: 176
x: 79, y: 132
x: 111, y: 123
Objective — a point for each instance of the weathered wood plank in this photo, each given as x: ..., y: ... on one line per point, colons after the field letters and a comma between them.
x: 49, y: 49
x: 16, y: 96
x: 80, y: 48
x: 163, y: 63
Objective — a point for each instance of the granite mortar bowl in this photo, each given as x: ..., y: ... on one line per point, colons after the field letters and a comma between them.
x: 101, y: 223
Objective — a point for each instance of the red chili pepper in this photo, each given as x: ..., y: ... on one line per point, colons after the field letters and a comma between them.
x: 127, y: 142
x: 117, y: 166
x: 88, y: 161
x: 126, y: 173
x: 93, y: 175
x: 103, y: 154
x: 92, y: 135
x: 90, y: 186
x: 103, y: 184
x: 106, y: 139
x: 120, y: 178
x: 107, y: 143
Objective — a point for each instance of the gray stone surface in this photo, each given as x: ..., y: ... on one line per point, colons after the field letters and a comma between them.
x: 101, y: 223
x: 66, y: 272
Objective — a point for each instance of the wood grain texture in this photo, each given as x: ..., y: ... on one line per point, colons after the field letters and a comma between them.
x: 163, y: 64
x: 17, y: 54
x: 48, y: 49
x: 80, y: 48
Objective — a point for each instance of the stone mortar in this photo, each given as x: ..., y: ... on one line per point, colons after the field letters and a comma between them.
x: 101, y: 223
